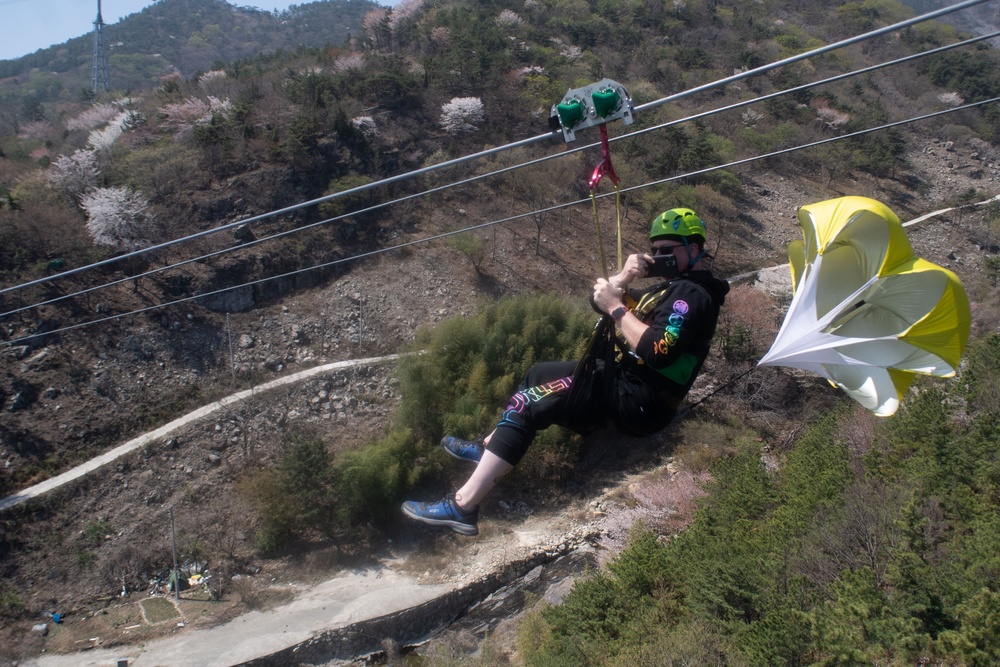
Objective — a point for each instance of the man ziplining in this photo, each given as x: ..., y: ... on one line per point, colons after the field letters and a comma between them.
x: 664, y: 336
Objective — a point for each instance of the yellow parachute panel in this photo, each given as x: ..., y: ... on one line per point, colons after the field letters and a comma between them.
x: 866, y: 313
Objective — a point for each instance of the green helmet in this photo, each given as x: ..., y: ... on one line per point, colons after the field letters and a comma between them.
x: 682, y: 223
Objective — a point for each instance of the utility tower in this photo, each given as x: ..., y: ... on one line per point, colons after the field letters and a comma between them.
x: 99, y: 72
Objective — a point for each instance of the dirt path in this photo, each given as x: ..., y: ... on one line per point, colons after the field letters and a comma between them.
x: 340, y: 601
x: 504, y: 551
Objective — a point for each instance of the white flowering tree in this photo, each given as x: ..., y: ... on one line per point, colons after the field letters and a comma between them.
x: 119, y: 218
x: 951, y: 99
x: 93, y: 117
x: 366, y: 125
x: 462, y: 114
x: 103, y: 139
x: 508, y: 19
x: 75, y: 174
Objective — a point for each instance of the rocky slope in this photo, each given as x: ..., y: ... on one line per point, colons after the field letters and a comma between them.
x: 71, y: 551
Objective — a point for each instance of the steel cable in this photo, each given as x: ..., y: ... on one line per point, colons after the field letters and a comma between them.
x: 497, y: 172
x: 548, y: 136
x: 519, y: 216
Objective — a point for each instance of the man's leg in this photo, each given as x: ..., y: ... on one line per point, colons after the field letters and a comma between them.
x: 490, y: 469
x: 533, y: 407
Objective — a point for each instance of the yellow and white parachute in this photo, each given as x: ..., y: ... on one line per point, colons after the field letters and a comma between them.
x: 867, y: 314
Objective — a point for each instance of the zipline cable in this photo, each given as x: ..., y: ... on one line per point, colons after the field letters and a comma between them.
x: 503, y: 220
x: 497, y: 172
x: 524, y: 142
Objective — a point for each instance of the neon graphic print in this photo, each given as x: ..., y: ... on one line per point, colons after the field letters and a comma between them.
x: 672, y: 333
x: 525, y: 397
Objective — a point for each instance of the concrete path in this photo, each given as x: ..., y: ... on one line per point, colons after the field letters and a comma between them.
x: 99, y: 461
x: 346, y: 599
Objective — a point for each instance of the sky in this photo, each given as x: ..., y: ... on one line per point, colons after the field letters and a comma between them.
x: 29, y: 25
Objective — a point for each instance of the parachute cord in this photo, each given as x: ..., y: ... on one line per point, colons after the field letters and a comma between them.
x: 683, y: 412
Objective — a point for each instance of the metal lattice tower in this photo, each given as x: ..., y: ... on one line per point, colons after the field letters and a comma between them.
x: 99, y: 72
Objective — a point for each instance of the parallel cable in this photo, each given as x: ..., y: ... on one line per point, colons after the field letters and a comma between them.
x: 850, y: 135
x: 497, y: 172
x: 504, y: 220
x: 524, y: 142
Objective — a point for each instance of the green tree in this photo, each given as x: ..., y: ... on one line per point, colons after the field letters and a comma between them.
x: 295, y: 496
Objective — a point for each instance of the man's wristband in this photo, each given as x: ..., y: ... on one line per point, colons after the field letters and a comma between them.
x: 618, y: 313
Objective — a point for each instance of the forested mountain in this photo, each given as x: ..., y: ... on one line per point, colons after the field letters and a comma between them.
x: 183, y: 36
x: 826, y: 537
x: 977, y: 20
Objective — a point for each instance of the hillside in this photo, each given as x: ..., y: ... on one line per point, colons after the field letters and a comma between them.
x: 180, y: 37
x: 246, y: 138
x: 978, y: 20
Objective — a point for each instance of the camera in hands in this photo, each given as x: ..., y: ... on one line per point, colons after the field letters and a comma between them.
x: 663, y: 266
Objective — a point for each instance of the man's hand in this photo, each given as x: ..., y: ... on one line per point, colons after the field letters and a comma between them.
x: 635, y: 267
x: 607, y: 296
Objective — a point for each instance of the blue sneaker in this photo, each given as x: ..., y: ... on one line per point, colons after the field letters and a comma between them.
x: 463, y: 450
x: 444, y: 512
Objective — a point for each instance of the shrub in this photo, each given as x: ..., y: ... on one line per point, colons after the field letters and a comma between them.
x: 370, y: 481
x: 348, y: 202
x: 294, y: 496
x: 470, y: 245
x: 11, y: 603
x: 471, y: 365
x: 979, y: 376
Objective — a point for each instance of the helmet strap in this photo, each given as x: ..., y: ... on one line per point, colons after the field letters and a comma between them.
x: 692, y: 260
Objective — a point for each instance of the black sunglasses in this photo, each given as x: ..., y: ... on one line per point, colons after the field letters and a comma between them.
x: 663, y: 249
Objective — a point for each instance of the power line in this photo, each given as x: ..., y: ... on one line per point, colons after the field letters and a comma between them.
x: 524, y: 142
x: 503, y: 220
x: 521, y: 165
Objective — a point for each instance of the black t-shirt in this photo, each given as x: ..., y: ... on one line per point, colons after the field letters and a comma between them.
x: 682, y: 319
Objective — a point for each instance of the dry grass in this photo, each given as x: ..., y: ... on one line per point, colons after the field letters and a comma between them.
x: 115, y: 626
x: 159, y: 610
x: 664, y: 501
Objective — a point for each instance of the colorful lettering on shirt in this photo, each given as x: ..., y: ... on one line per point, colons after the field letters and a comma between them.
x: 525, y: 397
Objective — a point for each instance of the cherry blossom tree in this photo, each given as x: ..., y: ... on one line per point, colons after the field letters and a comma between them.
x: 92, y: 117
x: 462, y: 114
x: 366, y: 125
x: 103, y: 139
x: 119, y: 218
x: 75, y: 174
x: 352, y: 62
x: 509, y: 19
